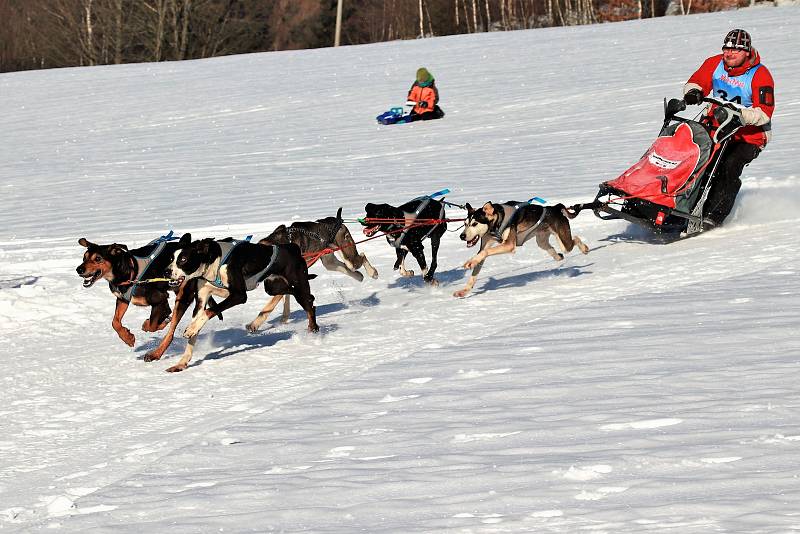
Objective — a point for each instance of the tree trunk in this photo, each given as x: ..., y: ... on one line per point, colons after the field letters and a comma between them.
x: 421, y: 21
x: 88, y: 43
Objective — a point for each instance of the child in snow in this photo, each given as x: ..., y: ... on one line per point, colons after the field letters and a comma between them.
x: 426, y: 96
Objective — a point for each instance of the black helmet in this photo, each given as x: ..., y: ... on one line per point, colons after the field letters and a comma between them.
x: 737, y: 39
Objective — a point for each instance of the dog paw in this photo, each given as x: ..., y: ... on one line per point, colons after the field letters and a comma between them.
x: 177, y: 368
x: 406, y: 274
x: 127, y: 337
x: 560, y: 257
x: 152, y: 356
x: 374, y: 275
x: 313, y: 328
x: 252, y: 328
x: 433, y: 282
x: 191, y: 331
x: 461, y: 293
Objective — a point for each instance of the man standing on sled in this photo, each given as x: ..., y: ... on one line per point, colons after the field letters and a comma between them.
x: 736, y: 76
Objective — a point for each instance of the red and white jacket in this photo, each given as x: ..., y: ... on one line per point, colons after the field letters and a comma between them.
x: 755, y: 90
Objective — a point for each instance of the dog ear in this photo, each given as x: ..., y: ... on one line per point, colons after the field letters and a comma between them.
x: 470, y: 210
x: 204, y: 248
x: 116, y: 249
x: 185, y: 239
x: 84, y: 243
x: 488, y: 209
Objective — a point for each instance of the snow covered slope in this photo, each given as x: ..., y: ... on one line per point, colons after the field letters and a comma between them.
x: 644, y: 387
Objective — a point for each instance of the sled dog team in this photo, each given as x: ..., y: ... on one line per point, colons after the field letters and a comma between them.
x: 199, y: 270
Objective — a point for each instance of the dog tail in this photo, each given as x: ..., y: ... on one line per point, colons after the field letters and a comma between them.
x: 570, y: 213
x: 339, y: 214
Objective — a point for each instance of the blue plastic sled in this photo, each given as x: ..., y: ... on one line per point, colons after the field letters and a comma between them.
x: 393, y: 116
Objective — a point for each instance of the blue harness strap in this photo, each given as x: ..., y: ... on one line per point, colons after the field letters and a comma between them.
x: 259, y: 276
x: 422, y: 205
x: 227, y: 248
x: 143, y: 263
x: 498, y: 234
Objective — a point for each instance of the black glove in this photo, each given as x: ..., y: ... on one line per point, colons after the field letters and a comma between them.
x: 423, y: 104
x: 693, y: 96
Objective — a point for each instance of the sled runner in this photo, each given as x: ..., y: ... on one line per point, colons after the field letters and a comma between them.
x: 667, y: 188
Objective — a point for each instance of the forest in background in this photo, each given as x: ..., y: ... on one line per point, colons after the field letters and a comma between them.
x: 38, y: 34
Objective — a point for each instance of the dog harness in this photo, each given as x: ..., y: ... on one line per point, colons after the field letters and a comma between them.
x: 226, y: 249
x: 411, y: 217
x: 510, y: 211
x: 142, y: 264
x: 324, y: 241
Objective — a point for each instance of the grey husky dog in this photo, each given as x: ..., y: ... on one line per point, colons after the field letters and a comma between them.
x: 509, y: 225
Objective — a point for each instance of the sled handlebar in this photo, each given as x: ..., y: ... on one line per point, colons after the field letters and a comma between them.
x: 721, y: 103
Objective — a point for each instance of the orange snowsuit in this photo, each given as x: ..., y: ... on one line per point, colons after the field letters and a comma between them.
x: 419, y: 94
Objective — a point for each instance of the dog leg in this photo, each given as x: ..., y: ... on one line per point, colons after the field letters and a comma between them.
x: 401, y: 263
x: 543, y: 241
x: 471, y: 281
x: 286, y: 309
x: 186, y: 357
x: 159, y: 312
x: 418, y: 251
x: 476, y: 269
x: 301, y: 290
x: 183, y: 298
x: 428, y: 276
x: 580, y: 244
x: 351, y: 257
x: 263, y: 314
x: 200, y: 317
x: 371, y: 271
x: 332, y: 263
x: 116, y: 323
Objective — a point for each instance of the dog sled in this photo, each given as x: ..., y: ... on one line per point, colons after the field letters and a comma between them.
x: 667, y: 188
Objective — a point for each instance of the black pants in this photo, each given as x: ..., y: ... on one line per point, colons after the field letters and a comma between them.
x: 727, y: 183
x: 436, y: 113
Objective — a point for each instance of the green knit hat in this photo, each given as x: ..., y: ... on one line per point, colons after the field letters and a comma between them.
x: 423, y: 76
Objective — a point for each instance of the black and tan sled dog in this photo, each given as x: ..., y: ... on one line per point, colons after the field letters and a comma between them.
x: 229, y: 268
x: 509, y: 225
x: 406, y: 228
x: 125, y: 271
x: 315, y: 237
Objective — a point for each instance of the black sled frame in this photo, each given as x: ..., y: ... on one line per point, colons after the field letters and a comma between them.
x: 662, y: 219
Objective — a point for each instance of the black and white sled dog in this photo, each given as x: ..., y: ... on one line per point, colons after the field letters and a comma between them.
x: 405, y: 234
x: 314, y: 238
x: 510, y: 225
x: 229, y: 269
